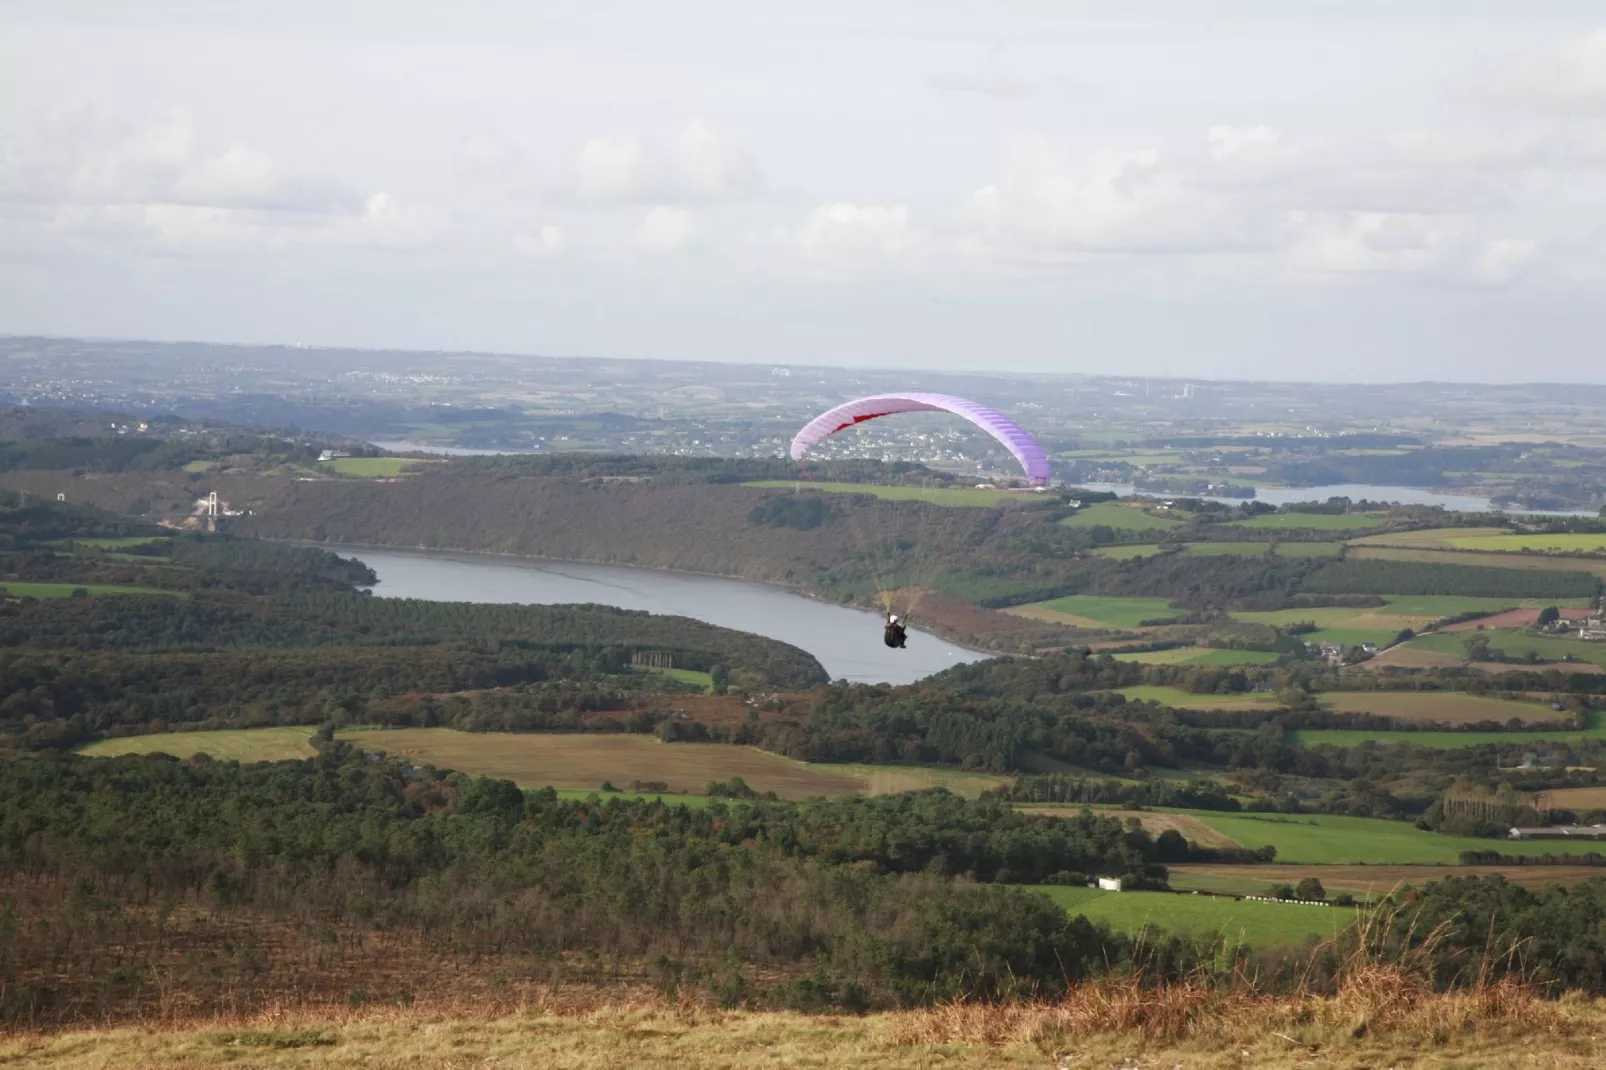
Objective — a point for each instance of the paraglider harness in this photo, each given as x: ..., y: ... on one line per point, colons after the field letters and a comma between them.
x: 895, y: 635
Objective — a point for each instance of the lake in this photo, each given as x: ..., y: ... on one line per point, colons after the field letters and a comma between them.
x: 846, y: 641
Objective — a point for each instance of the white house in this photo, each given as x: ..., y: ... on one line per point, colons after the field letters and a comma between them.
x: 1110, y: 884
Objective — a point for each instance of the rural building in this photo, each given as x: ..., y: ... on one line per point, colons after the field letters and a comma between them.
x: 1593, y: 628
x: 1110, y: 884
x: 1560, y: 832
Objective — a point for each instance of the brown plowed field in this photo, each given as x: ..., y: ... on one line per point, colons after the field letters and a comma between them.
x: 1192, y: 829
x: 536, y: 759
x: 1579, y: 798
x: 1364, y: 880
x: 1404, y: 657
x: 1512, y: 618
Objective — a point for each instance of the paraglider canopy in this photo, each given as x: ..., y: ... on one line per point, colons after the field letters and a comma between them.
x: 1007, y: 431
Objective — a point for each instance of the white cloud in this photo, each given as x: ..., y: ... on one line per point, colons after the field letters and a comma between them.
x: 848, y: 238
x: 1567, y: 81
x: 702, y: 165
x: 89, y: 159
x: 987, y: 84
x: 665, y: 229
x: 611, y: 169
x: 1434, y: 249
x: 1109, y: 201
x: 712, y: 167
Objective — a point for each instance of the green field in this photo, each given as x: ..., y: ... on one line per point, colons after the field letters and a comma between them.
x: 1126, y: 553
x: 238, y: 745
x: 1192, y: 655
x: 1515, y: 644
x: 1540, y: 544
x: 1179, y: 699
x: 1321, y: 616
x: 118, y: 542
x: 1344, y: 737
x: 1238, y: 922
x: 688, y: 676
x: 1309, y: 522
x: 65, y: 590
x: 370, y: 467
x: 1354, y: 625
x: 1115, y: 612
x: 1329, y: 839
x: 1448, y: 707
x: 1259, y: 549
x: 934, y: 495
x: 1120, y: 517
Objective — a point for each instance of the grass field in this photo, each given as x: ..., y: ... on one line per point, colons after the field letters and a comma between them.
x: 1448, y: 707
x: 370, y: 467
x: 1539, y: 544
x: 1367, y: 881
x: 1179, y: 699
x: 237, y: 745
x: 1309, y: 522
x: 1259, y: 549
x: 934, y: 495
x: 1353, y: 625
x: 1193, y: 655
x: 1120, y: 517
x: 1515, y: 644
x: 1427, y: 538
x: 65, y: 590
x: 1329, y: 839
x: 1126, y: 553
x: 688, y: 676
x: 1257, y: 924
x: 1344, y: 737
x: 117, y: 542
x: 892, y: 779
x: 1110, y: 612
x: 1535, y: 562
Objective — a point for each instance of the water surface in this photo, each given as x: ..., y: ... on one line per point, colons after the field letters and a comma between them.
x: 846, y: 641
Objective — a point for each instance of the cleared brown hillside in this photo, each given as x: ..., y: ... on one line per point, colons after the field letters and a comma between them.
x: 1105, y: 1026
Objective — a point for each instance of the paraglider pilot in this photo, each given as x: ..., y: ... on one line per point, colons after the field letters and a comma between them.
x: 895, y: 635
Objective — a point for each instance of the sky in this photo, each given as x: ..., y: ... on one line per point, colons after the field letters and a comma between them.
x: 1293, y: 189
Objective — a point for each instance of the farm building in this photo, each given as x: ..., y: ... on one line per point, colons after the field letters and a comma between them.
x: 1560, y: 832
x: 1110, y: 884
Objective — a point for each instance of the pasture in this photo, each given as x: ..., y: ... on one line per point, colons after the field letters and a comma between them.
x: 1328, y: 839
x: 1120, y: 517
x: 1443, y: 707
x: 688, y: 676
x: 1535, y: 562
x: 1428, y: 538
x: 1238, y: 922
x: 1193, y: 655
x: 1260, y: 549
x: 371, y: 467
x: 116, y: 542
x: 1126, y: 553
x: 64, y: 590
x: 1103, y: 612
x: 1517, y: 644
x: 964, y: 496
x: 1309, y: 522
x: 1346, y: 737
x: 1537, y: 544
x: 226, y: 745
x: 584, y: 760
x: 1176, y: 698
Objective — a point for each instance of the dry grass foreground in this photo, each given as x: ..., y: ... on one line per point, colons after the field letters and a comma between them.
x: 1378, y: 1020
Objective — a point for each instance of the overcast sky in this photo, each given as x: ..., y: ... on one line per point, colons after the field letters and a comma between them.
x: 1295, y: 190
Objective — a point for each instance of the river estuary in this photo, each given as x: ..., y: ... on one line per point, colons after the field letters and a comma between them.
x: 846, y: 641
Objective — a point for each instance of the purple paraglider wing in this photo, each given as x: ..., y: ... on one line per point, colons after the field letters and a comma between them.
x: 1007, y: 431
